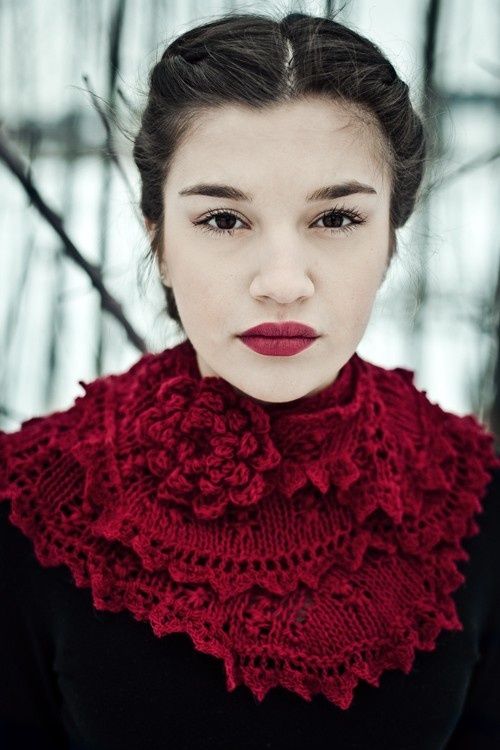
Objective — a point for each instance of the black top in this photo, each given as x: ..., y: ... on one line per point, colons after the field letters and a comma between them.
x: 77, y: 678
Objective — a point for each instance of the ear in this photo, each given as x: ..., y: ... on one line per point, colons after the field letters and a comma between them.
x: 164, y: 275
x: 150, y: 227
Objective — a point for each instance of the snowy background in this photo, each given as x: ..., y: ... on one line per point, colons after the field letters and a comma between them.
x: 437, y: 312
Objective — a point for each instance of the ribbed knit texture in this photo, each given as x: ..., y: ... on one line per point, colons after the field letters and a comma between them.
x: 311, y: 544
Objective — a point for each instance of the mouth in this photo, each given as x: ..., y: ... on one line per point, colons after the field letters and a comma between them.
x: 278, y: 346
x: 286, y: 330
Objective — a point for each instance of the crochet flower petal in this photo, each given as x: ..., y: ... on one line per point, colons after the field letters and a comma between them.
x: 202, y: 450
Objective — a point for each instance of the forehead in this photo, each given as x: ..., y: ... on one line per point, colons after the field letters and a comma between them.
x: 313, y: 138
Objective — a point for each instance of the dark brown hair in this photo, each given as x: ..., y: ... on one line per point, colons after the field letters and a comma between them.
x: 256, y: 61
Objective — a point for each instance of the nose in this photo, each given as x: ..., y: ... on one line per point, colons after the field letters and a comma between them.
x: 282, y: 275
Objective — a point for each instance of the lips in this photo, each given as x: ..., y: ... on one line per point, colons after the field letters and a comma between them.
x: 278, y: 346
x: 288, y: 329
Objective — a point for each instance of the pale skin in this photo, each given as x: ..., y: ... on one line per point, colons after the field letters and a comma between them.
x: 286, y: 259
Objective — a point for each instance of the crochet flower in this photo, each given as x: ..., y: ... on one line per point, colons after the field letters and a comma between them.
x: 207, y: 446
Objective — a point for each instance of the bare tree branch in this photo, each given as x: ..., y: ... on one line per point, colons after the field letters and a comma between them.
x: 108, y: 302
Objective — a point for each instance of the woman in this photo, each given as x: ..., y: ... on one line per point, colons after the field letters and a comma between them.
x: 252, y: 539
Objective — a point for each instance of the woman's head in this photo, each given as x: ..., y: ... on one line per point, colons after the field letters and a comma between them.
x: 276, y: 111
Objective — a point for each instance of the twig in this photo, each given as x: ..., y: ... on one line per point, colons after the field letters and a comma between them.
x: 108, y: 302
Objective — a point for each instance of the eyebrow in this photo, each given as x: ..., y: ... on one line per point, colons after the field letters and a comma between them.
x: 329, y: 192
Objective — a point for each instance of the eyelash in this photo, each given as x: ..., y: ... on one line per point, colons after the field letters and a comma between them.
x: 352, y: 214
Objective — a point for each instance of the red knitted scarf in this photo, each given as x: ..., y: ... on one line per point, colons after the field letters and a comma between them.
x: 310, y: 545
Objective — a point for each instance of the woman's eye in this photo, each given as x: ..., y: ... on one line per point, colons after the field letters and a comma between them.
x: 336, y: 218
x: 223, y: 217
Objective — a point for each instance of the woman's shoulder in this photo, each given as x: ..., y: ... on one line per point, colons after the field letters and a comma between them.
x: 47, y: 463
x: 38, y: 474
x: 16, y: 553
x: 92, y: 399
x: 488, y: 517
x: 34, y: 449
x: 481, y: 566
x: 53, y: 432
x: 493, y: 488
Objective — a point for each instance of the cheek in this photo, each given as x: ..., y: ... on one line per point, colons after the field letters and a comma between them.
x: 353, y: 296
x: 201, y: 291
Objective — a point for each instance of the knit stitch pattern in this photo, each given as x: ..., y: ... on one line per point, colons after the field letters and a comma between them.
x: 308, y: 545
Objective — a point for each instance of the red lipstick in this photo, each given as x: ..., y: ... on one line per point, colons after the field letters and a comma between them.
x: 279, y: 339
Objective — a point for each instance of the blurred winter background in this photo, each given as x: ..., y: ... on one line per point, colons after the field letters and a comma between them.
x: 71, y: 303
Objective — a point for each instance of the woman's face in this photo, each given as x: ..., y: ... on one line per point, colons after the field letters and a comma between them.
x: 278, y: 256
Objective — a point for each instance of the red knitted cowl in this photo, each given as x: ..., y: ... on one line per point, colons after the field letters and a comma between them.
x: 310, y: 545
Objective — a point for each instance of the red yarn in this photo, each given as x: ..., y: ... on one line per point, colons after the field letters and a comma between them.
x: 311, y: 544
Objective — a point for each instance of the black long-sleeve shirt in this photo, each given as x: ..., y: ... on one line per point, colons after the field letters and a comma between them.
x: 74, y: 677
